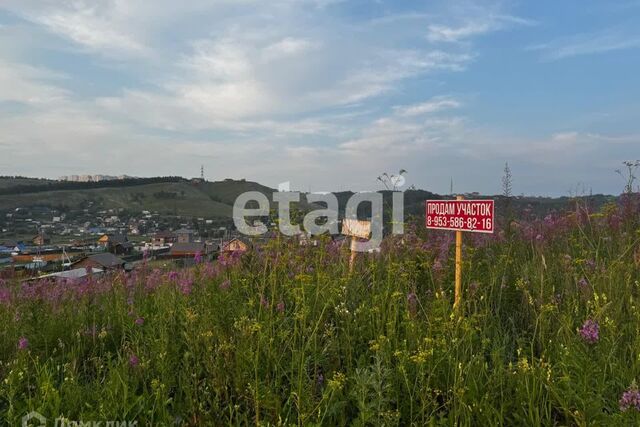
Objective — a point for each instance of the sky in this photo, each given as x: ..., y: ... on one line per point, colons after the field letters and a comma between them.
x: 325, y: 94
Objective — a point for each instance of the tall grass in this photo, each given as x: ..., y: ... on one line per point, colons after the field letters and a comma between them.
x: 285, y: 335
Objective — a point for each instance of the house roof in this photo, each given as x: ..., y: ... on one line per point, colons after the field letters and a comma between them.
x: 163, y: 234
x: 236, y: 239
x: 106, y: 259
x: 76, y: 273
x: 193, y: 247
x: 183, y: 231
x: 116, y: 237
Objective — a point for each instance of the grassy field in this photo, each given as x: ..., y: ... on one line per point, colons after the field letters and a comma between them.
x: 7, y: 182
x: 548, y: 334
x: 212, y: 199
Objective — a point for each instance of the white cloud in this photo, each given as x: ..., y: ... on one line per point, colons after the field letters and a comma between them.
x: 287, y: 47
x: 85, y: 28
x: 431, y: 106
x: 409, y: 129
x: 587, y: 44
x: 106, y: 27
x: 29, y: 85
x: 477, y: 24
x: 245, y: 85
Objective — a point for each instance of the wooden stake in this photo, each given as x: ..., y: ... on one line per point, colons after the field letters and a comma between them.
x: 458, y: 288
x: 352, y: 258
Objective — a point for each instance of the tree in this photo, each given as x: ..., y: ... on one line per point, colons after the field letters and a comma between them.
x: 507, y: 181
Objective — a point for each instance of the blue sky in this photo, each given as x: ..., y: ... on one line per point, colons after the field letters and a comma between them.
x: 326, y: 94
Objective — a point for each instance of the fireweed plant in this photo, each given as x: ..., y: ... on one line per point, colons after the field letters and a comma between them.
x: 284, y: 335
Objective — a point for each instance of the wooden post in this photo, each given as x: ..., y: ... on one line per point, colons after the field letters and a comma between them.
x: 352, y: 258
x: 458, y: 288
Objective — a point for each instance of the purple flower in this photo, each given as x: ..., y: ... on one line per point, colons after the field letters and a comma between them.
x: 473, y: 287
x: 584, y: 288
x: 23, y: 343
x: 134, y: 361
x: 225, y: 285
x: 590, y: 331
x: 630, y: 399
x: 264, y: 301
x: 320, y: 379
x: 140, y: 321
x: 437, y: 266
x: 5, y: 296
x: 198, y: 258
x: 412, y: 303
x: 280, y: 307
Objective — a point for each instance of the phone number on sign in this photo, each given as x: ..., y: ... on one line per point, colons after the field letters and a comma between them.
x: 459, y: 222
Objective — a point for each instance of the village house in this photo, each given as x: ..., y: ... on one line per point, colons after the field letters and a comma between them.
x: 41, y: 239
x: 163, y: 238
x: 187, y: 250
x: 116, y: 243
x: 105, y: 261
x: 235, y: 244
x: 184, y: 235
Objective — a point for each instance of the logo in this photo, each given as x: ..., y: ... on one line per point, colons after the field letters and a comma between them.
x: 39, y: 420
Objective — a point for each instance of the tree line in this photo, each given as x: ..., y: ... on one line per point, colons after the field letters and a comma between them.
x: 71, y: 185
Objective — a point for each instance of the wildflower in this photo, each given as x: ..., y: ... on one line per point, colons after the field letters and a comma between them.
x: 140, y: 321
x: 185, y: 285
x: 280, y: 307
x: 412, y: 303
x: 23, y: 343
x: 473, y: 287
x: 630, y: 398
x: 338, y: 381
x: 225, y: 285
x: 5, y: 295
x: 320, y: 380
x: 583, y: 284
x: 197, y: 258
x: 103, y: 334
x: 437, y: 266
x: 134, y: 361
x: 590, y: 331
x: 264, y: 301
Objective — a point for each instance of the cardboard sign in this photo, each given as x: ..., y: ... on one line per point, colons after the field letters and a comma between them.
x: 460, y: 215
x: 356, y: 228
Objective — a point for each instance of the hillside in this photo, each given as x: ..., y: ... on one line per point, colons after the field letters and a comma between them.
x: 14, y: 181
x: 212, y: 199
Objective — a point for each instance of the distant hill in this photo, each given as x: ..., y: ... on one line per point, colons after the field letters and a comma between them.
x: 208, y: 199
x: 14, y: 181
x: 175, y: 195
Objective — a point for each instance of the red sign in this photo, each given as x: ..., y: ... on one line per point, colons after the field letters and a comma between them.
x: 460, y: 215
